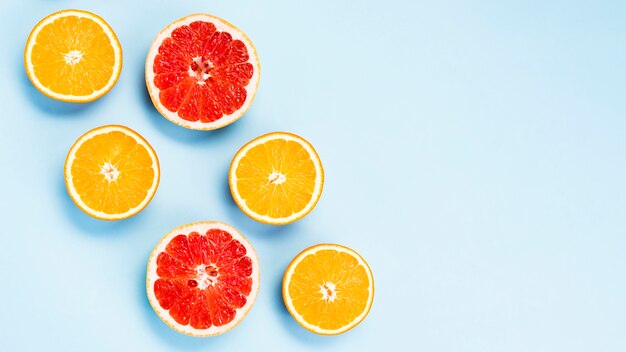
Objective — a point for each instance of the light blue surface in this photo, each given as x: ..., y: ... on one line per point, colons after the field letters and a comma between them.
x: 475, y: 155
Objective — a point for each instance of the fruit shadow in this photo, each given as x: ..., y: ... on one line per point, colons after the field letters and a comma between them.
x: 88, y: 224
x: 47, y: 105
x: 179, y: 133
x: 169, y: 336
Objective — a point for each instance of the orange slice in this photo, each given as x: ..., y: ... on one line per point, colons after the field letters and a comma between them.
x: 73, y: 56
x: 111, y: 172
x: 276, y: 178
x: 202, y: 72
x: 328, y: 289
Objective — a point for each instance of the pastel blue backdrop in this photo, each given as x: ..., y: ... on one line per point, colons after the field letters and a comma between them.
x: 475, y: 154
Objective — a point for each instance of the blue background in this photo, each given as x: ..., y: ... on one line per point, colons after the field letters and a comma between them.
x: 475, y: 154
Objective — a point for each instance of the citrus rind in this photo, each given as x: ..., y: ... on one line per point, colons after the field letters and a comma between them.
x: 115, y: 43
x: 71, y: 155
x: 317, y: 191
x: 288, y: 300
x: 221, y: 25
x: 152, y: 276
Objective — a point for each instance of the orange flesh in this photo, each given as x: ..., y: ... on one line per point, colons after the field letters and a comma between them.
x: 260, y: 178
x: 112, y: 151
x: 67, y: 34
x: 337, y: 306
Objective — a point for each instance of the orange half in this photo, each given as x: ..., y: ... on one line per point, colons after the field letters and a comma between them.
x: 276, y: 178
x: 328, y: 289
x: 111, y: 172
x: 73, y: 56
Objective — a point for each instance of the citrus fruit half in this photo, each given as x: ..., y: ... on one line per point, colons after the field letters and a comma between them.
x: 328, y: 289
x: 111, y: 172
x: 276, y: 178
x: 73, y: 56
x: 203, y: 278
x: 202, y: 72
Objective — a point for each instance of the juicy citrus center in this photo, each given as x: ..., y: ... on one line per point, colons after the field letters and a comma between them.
x: 276, y: 178
x: 73, y: 56
x: 329, y: 289
x: 200, y: 70
x: 109, y: 171
x: 112, y: 173
x: 206, y: 276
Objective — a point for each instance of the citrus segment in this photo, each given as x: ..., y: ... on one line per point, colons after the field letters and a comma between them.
x: 202, y: 72
x: 276, y: 178
x: 328, y: 289
x: 73, y: 55
x: 203, y: 278
x: 111, y: 172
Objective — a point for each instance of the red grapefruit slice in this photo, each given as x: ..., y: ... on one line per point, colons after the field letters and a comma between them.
x: 203, y: 278
x: 202, y: 72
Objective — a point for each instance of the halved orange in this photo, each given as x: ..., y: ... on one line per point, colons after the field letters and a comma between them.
x: 73, y: 56
x: 328, y: 289
x: 111, y: 172
x: 276, y: 178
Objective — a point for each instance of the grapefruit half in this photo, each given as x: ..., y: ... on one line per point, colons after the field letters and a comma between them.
x: 202, y: 72
x: 203, y: 278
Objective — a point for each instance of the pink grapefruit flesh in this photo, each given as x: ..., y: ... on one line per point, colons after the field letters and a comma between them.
x: 203, y: 278
x: 202, y: 72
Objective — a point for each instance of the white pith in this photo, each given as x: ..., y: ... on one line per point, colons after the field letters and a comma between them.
x: 203, y: 279
x: 317, y: 190
x: 73, y: 57
x: 328, y: 291
x: 72, y: 156
x: 289, y: 301
x: 152, y: 276
x: 276, y: 178
x: 221, y: 26
x: 109, y: 171
x: 201, y: 78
